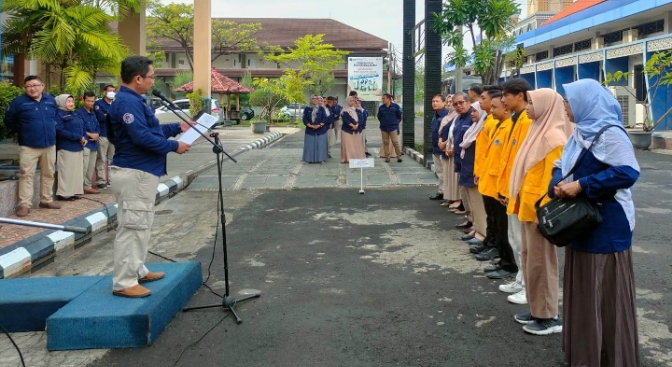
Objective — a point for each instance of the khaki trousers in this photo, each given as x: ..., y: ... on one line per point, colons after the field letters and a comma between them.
x: 387, y: 136
x: 515, y: 241
x: 135, y: 192
x: 438, y: 169
x: 540, y: 268
x: 29, y: 158
x: 477, y: 207
x: 105, y: 154
x: 89, y: 166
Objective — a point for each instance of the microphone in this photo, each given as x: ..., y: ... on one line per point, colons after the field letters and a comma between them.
x: 157, y: 93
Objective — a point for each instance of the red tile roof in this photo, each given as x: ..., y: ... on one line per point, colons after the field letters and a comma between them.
x: 574, y: 8
x: 219, y: 84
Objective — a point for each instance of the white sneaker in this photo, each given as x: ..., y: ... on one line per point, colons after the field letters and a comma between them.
x: 513, y: 287
x: 518, y: 298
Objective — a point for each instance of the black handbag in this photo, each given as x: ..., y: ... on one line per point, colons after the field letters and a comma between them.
x: 561, y: 221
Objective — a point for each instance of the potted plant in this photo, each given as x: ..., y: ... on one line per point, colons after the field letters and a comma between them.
x: 657, y: 67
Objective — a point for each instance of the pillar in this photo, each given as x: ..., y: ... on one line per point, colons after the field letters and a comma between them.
x: 202, y: 46
x: 132, y: 31
x: 408, y: 81
x: 432, y: 71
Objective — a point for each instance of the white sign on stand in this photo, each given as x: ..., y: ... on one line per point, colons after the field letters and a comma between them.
x: 361, y: 164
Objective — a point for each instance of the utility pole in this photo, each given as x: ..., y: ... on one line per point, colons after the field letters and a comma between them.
x: 389, y: 68
x: 408, y: 70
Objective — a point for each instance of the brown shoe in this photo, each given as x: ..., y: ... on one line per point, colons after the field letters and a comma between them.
x: 152, y: 276
x: 51, y: 205
x: 387, y: 160
x: 23, y: 211
x: 92, y: 191
x: 137, y: 291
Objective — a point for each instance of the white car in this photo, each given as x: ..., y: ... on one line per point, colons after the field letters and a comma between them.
x: 166, y: 116
x: 293, y: 110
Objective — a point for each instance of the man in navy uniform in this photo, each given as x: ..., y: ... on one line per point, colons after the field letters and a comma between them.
x: 33, y: 116
x: 92, y: 135
x: 105, y: 149
x: 140, y: 159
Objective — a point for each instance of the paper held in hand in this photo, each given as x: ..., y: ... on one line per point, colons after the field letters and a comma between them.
x: 204, y: 123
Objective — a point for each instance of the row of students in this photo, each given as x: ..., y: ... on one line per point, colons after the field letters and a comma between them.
x: 525, y: 144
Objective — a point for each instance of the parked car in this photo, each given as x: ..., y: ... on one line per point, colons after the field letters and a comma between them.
x: 166, y: 116
x: 292, y: 111
x: 246, y: 113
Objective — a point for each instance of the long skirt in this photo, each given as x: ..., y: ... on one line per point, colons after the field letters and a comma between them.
x: 315, y: 149
x: 477, y: 209
x: 600, y: 320
x: 351, y: 147
x: 70, y: 173
x: 451, y: 189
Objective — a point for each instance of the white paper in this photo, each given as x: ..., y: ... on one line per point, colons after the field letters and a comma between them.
x: 204, y: 123
x: 362, y: 163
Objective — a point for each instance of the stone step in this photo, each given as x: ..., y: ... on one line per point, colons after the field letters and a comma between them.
x: 97, y: 319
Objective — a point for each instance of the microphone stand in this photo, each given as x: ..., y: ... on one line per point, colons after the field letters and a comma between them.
x: 228, y: 301
x: 28, y: 223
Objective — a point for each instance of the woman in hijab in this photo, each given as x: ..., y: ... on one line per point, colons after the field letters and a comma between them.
x: 531, y: 174
x: 351, y: 141
x: 315, y: 149
x: 451, y: 189
x: 70, y: 141
x: 599, y: 285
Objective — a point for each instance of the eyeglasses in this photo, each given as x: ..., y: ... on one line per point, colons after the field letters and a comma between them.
x: 150, y: 77
x: 33, y: 86
x: 460, y: 102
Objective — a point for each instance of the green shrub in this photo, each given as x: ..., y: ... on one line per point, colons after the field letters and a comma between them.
x: 419, y: 147
x: 7, y: 93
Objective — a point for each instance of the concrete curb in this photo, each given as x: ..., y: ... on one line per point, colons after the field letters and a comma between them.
x: 39, y: 250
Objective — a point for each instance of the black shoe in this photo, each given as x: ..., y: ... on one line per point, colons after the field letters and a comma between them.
x: 367, y: 154
x: 329, y: 155
x: 492, y: 267
x: 77, y: 197
x: 65, y: 198
x: 501, y: 274
x: 476, y: 249
x: 466, y: 237
x: 464, y: 225
x: 487, y: 255
x: 101, y: 186
x: 437, y: 196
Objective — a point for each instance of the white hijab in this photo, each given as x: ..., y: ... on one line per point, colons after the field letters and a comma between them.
x: 474, y: 129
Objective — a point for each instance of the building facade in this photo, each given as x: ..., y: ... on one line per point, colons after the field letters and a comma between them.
x: 591, y: 38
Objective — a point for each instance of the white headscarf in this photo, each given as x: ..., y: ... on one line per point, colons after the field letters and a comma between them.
x: 474, y: 129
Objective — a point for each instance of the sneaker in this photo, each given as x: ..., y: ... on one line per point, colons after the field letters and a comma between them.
x: 523, y: 318
x: 513, y: 287
x: 101, y: 186
x: 544, y: 326
x: 519, y: 298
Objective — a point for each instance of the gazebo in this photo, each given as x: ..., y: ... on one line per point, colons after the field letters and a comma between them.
x: 222, y: 85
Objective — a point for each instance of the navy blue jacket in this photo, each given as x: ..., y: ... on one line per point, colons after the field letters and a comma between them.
x: 321, y: 118
x: 330, y: 119
x: 464, y: 166
x: 141, y: 142
x: 91, y: 126
x: 347, y: 120
x: 436, y: 122
x: 101, y: 108
x: 336, y: 110
x: 34, y: 121
x: 600, y: 182
x: 69, y: 131
x: 389, y: 117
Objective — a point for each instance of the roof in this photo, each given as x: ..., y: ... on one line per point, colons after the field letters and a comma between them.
x: 573, y: 8
x: 219, y: 84
x: 284, y: 31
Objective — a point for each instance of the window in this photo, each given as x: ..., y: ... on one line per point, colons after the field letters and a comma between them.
x: 582, y: 45
x: 650, y: 28
x: 640, y: 83
x: 563, y: 50
x: 182, y: 105
x: 248, y: 62
x: 613, y: 37
x: 541, y: 56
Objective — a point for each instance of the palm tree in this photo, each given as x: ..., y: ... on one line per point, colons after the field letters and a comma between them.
x: 71, y: 35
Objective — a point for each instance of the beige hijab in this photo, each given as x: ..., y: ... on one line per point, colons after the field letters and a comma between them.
x: 61, y: 99
x: 352, y: 111
x: 550, y: 129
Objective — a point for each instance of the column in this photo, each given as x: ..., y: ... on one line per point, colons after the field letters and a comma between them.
x: 202, y: 46
x: 132, y: 31
x: 408, y: 69
x: 432, y: 72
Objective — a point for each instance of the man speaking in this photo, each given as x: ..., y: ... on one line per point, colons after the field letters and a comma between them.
x: 140, y: 159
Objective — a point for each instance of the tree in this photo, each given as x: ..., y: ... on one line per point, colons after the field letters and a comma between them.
x: 321, y: 82
x: 246, y: 82
x: 271, y: 92
x: 658, y: 69
x: 311, y: 55
x: 176, y: 22
x: 491, y: 19
x: 69, y: 36
x: 419, y: 83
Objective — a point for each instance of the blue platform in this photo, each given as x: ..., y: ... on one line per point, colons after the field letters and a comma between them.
x: 26, y: 303
x: 97, y: 319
